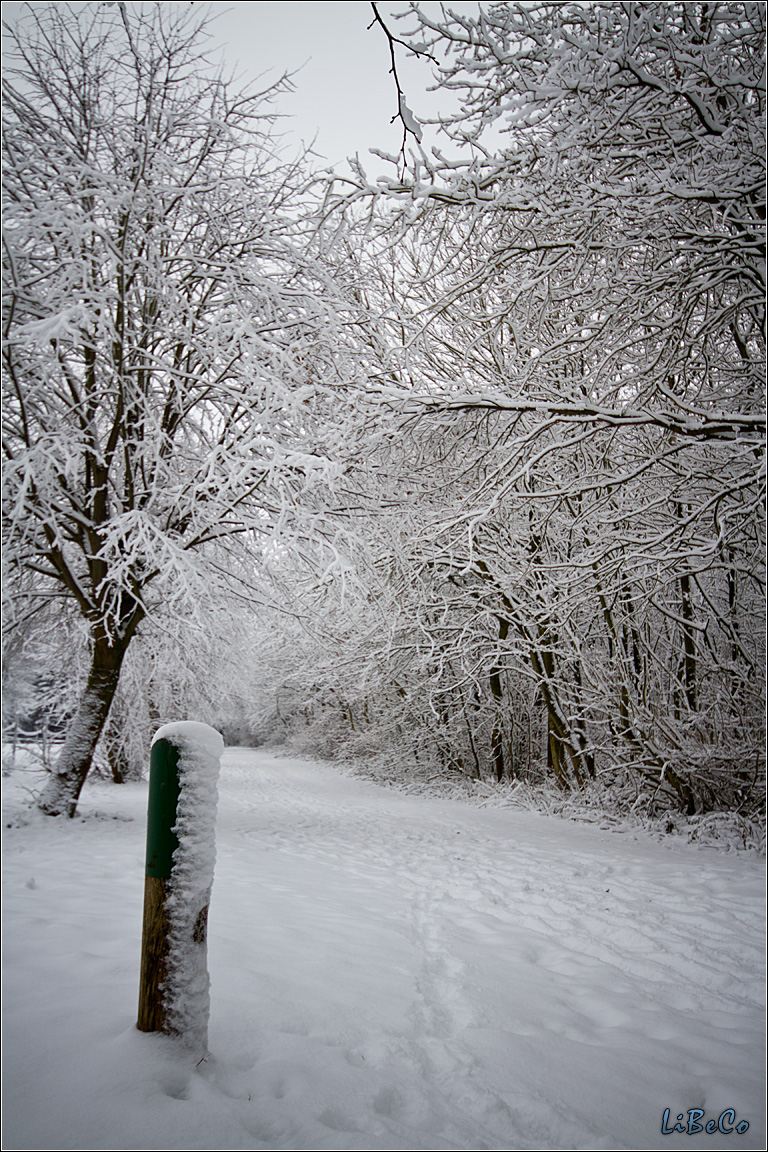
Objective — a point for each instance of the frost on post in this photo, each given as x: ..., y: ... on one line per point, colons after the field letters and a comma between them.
x: 186, y: 999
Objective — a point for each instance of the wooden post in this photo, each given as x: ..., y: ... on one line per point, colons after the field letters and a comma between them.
x: 161, y: 844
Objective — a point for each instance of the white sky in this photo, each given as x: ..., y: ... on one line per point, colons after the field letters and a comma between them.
x: 344, y: 91
x: 344, y: 94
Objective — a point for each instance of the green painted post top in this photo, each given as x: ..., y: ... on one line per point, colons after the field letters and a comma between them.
x: 161, y: 810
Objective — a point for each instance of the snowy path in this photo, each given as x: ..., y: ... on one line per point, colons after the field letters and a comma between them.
x: 387, y: 972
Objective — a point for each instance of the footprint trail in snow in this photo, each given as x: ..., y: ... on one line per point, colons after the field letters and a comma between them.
x: 390, y: 971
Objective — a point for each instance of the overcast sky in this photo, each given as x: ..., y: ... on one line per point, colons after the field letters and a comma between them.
x: 344, y: 94
x: 344, y: 91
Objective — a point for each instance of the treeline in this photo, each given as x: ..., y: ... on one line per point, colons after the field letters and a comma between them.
x: 461, y: 466
x: 564, y: 575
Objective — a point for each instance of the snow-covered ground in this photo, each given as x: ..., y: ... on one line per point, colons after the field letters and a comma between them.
x: 387, y: 971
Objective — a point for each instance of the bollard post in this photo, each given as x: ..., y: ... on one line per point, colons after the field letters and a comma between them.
x: 173, y: 983
x: 161, y: 844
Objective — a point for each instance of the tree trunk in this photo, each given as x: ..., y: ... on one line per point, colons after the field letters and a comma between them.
x: 689, y: 642
x: 119, y: 764
x: 497, y: 690
x: 560, y: 737
x: 62, y: 790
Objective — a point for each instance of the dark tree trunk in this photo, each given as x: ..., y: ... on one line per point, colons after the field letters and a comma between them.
x: 497, y: 691
x: 64, y: 785
x: 689, y: 642
x: 687, y: 668
x: 119, y: 765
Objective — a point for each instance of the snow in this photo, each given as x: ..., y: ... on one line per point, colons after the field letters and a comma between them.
x: 191, y: 734
x: 387, y: 971
x: 187, y: 985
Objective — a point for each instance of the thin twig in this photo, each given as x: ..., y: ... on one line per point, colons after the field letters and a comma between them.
x: 401, y: 103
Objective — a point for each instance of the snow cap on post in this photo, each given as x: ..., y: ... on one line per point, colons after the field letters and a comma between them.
x: 199, y: 749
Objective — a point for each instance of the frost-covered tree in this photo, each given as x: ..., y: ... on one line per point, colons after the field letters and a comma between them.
x: 174, y: 366
x: 611, y: 184
x: 576, y: 316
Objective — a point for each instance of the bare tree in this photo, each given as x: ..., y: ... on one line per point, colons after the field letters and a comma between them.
x: 173, y: 362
